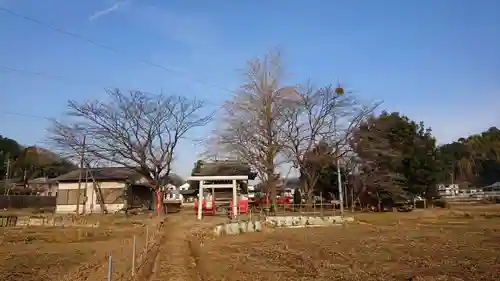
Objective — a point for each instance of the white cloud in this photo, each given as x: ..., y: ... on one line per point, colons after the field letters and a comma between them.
x: 104, y: 12
x: 190, y: 29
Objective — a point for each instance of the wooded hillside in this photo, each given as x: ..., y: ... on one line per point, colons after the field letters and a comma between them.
x: 24, y: 163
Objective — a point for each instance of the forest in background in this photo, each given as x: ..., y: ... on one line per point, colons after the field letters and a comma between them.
x: 22, y: 163
x: 388, y: 152
x: 391, y: 153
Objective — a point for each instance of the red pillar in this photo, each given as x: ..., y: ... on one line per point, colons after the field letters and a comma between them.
x: 158, y: 202
x: 158, y: 199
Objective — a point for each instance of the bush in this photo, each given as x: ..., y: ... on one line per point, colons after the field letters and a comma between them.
x: 297, y: 197
x: 440, y: 203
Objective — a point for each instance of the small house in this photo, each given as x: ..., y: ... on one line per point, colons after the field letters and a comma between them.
x: 38, y: 187
x: 119, y: 187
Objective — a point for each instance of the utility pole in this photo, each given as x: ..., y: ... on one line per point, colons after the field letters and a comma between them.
x: 25, y: 178
x: 452, y: 173
x: 7, y: 175
x: 7, y: 165
x: 338, y: 91
x: 346, y: 195
x: 354, y: 183
x: 80, y: 170
x: 85, y: 196
x: 352, y: 198
x: 339, y: 182
x: 97, y: 189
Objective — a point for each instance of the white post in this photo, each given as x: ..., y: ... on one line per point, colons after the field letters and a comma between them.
x: 339, y: 182
x: 110, y: 267
x: 235, y: 200
x: 133, y: 256
x: 337, y: 163
x: 200, y: 201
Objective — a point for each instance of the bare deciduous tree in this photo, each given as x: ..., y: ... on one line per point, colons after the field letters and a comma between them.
x: 251, y: 119
x: 133, y: 129
x: 318, y: 123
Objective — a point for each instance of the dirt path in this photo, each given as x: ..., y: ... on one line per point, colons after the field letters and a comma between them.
x: 176, y: 260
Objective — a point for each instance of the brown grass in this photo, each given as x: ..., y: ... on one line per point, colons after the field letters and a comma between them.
x: 461, y: 243
x: 426, y: 245
x: 176, y: 260
x: 73, y: 253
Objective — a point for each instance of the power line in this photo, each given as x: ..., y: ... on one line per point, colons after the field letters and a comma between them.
x: 109, y: 48
x: 45, y: 75
x: 91, y: 42
x: 67, y: 79
x: 57, y: 78
x: 32, y: 73
x: 25, y: 115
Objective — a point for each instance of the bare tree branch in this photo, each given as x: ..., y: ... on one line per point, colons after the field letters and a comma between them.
x: 318, y: 124
x: 132, y: 129
x: 251, y: 120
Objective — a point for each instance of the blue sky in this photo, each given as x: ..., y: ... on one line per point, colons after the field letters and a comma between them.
x: 435, y: 61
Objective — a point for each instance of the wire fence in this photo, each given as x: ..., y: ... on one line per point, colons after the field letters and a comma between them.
x: 477, y: 197
x: 35, y: 202
x: 330, y: 208
x: 129, y: 262
x: 327, y: 207
x: 140, y: 258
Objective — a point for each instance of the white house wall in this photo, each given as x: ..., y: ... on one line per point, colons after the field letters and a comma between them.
x: 185, y: 186
x: 91, y: 206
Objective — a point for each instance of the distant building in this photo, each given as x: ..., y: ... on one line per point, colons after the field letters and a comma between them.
x: 185, y: 186
x: 39, y: 186
x: 492, y: 187
x: 448, y: 190
x: 119, y: 187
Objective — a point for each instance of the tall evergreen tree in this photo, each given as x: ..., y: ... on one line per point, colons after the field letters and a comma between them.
x: 398, y: 155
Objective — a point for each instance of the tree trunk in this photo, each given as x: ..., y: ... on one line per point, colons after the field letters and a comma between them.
x: 153, y: 200
x: 309, y: 195
x: 379, y: 203
x: 128, y: 198
x: 158, y: 189
x: 271, y: 185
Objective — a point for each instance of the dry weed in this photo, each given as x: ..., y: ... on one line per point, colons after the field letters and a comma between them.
x: 423, y: 245
x: 50, y: 253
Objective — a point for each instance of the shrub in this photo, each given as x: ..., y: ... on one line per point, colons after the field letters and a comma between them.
x: 440, y: 203
x: 297, y: 197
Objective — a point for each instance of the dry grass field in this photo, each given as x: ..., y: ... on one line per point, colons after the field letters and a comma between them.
x: 440, y: 244
x: 70, y: 253
x: 461, y: 243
